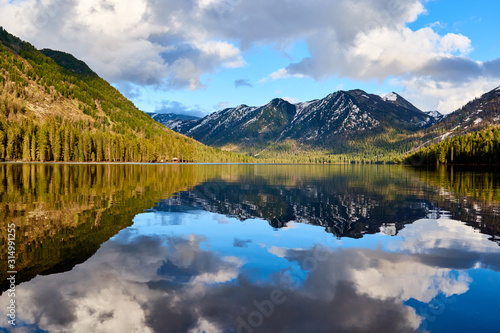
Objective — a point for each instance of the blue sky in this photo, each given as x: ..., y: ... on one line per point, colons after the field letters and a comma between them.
x: 199, y: 56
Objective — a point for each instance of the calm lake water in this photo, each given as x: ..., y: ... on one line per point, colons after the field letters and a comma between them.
x: 250, y: 248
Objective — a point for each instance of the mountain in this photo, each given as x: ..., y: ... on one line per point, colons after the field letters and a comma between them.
x: 345, y: 213
x: 400, y: 101
x: 476, y: 115
x: 478, y: 147
x: 348, y: 202
x: 333, y: 122
x: 470, y: 135
x: 436, y: 115
x: 53, y: 107
x: 243, y: 125
x: 170, y: 120
x: 479, y: 114
x: 70, y: 63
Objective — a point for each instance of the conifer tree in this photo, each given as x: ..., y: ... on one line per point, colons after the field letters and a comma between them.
x: 27, y: 148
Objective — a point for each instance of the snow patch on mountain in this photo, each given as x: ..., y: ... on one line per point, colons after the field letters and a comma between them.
x: 354, y: 122
x: 392, y: 97
x: 252, y: 120
x: 445, y: 135
x: 303, y: 105
x: 342, y: 115
x: 173, y: 124
x: 434, y: 114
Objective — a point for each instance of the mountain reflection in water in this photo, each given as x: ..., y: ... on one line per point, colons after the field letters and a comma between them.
x: 207, y: 259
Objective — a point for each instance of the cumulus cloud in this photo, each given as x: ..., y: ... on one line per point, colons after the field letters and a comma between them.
x: 174, y: 43
x: 379, y: 274
x: 445, y: 96
x: 170, y: 283
x: 114, y: 290
x: 281, y: 73
x: 142, y: 42
x: 161, y: 283
x: 431, y: 236
x: 292, y: 100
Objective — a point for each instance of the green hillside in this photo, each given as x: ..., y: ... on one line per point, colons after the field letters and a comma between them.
x: 480, y: 147
x: 53, y: 107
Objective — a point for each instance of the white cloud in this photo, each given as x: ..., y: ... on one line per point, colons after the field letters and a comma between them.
x: 110, y: 292
x: 225, y: 52
x: 281, y: 73
x: 221, y: 105
x: 140, y: 283
x: 445, y: 96
x: 426, y: 236
x: 175, y: 42
x: 380, y: 53
x: 384, y: 275
x: 291, y: 100
x: 124, y: 41
x: 455, y: 43
x: 405, y: 280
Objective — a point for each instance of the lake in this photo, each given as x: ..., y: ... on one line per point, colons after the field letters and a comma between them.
x: 249, y: 248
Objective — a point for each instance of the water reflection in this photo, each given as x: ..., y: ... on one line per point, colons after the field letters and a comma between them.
x: 163, y: 278
x: 350, y: 202
x: 208, y: 261
x: 63, y: 213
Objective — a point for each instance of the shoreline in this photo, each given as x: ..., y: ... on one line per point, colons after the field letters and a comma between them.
x: 190, y: 163
x: 253, y: 163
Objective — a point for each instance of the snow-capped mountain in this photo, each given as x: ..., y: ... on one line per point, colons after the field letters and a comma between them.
x: 344, y: 205
x: 326, y: 123
x: 476, y: 115
x: 435, y: 114
x: 398, y: 100
x: 346, y: 213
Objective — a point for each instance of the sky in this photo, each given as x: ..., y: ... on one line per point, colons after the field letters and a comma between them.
x: 199, y: 56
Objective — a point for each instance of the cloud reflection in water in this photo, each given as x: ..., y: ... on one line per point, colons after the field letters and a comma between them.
x: 158, y: 277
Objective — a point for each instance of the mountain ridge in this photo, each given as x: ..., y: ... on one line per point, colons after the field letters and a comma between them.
x: 350, y: 122
x: 330, y: 122
x: 479, y: 114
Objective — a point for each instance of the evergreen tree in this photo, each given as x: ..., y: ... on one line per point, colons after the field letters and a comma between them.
x: 66, y: 146
x: 27, y: 148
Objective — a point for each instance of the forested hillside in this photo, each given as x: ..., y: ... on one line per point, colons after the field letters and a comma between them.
x: 53, y: 107
x: 481, y: 147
